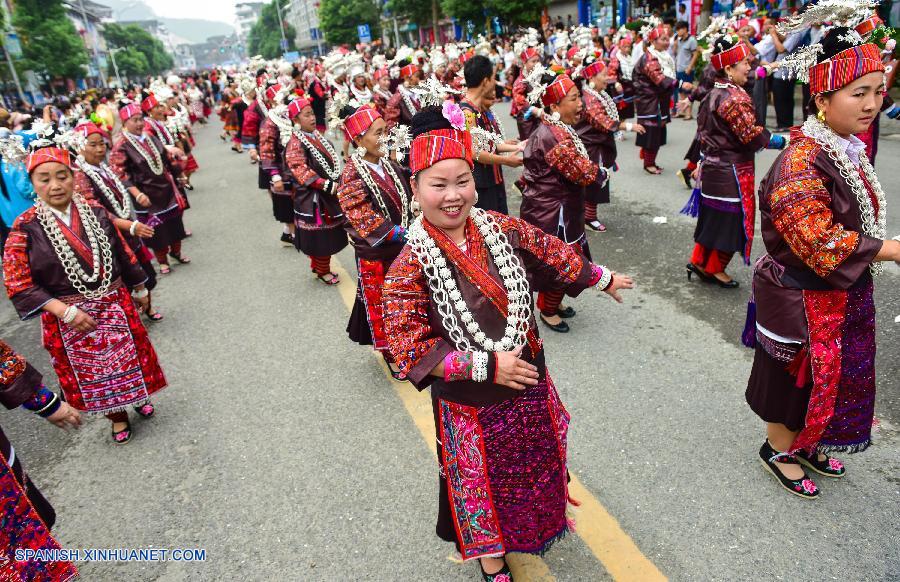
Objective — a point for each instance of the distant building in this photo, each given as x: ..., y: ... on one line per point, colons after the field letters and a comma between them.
x: 247, y: 14
x: 157, y: 30
x: 217, y: 50
x: 184, y: 58
x: 88, y: 17
x: 303, y: 15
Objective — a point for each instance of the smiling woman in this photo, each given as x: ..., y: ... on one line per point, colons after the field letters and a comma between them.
x: 458, y: 318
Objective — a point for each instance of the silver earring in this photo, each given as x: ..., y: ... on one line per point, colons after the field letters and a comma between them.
x: 414, y: 206
x: 476, y: 197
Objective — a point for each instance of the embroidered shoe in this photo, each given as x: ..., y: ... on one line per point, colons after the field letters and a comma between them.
x: 803, y: 487
x: 830, y: 467
x: 146, y: 410
x: 123, y: 436
x: 503, y: 575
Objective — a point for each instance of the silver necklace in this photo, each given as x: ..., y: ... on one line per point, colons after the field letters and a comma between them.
x: 101, y: 251
x: 333, y: 172
x: 872, y: 225
x: 579, y: 145
x: 362, y: 169
x: 608, y: 104
x: 154, y: 160
x: 126, y: 208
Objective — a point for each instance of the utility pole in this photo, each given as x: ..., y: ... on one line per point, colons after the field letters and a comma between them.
x: 12, y: 71
x: 94, y: 52
x: 284, y: 43
x: 112, y: 55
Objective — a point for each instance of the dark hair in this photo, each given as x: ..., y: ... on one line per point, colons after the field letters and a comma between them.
x: 428, y: 119
x: 477, y: 69
x: 721, y: 45
x: 681, y: 24
x: 832, y: 43
x: 347, y: 111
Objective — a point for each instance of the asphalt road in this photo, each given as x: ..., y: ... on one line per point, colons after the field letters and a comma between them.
x: 281, y: 449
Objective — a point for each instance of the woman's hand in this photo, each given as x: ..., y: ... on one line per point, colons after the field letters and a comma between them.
x: 65, y: 417
x: 514, y: 372
x: 143, y: 303
x: 83, y: 322
x: 638, y: 128
x: 143, y: 231
x: 619, y: 282
x: 512, y: 161
x: 278, y: 186
x: 142, y: 199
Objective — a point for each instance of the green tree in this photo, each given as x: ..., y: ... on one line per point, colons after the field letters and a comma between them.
x: 131, y: 63
x: 517, y: 12
x: 50, y: 44
x: 265, y: 36
x: 135, y: 40
x: 475, y: 11
x: 339, y: 19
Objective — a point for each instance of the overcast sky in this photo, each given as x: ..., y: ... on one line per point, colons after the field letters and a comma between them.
x: 222, y: 10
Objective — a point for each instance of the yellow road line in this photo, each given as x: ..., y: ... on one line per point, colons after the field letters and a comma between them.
x: 600, y: 531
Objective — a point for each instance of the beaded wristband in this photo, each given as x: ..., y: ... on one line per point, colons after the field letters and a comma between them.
x: 479, y: 366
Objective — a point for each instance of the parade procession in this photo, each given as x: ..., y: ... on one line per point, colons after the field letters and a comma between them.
x: 594, y: 299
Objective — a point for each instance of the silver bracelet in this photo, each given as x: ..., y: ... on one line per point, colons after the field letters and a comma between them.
x: 69, y: 314
x: 141, y: 294
x: 479, y: 366
x: 605, y: 278
x: 133, y: 227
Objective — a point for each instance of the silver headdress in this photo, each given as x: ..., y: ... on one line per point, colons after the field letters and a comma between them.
x: 433, y: 92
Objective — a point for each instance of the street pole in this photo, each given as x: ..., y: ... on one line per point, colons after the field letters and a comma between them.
x: 12, y: 71
x: 96, y: 55
x: 284, y: 43
x: 112, y: 55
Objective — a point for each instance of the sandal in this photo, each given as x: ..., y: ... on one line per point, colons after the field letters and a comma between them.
x: 164, y: 269
x: 502, y: 575
x: 146, y: 409
x: 655, y: 171
x: 123, y: 436
x: 802, y: 487
x: 180, y: 258
x: 596, y: 225
x: 155, y: 316
x: 333, y: 281
x: 829, y: 467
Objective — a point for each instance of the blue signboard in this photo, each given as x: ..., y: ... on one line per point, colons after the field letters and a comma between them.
x: 365, y: 35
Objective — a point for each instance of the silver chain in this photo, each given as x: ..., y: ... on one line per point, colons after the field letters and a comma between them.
x: 448, y: 298
x: 579, y: 145
x: 608, y: 104
x: 101, y: 251
x: 333, y: 172
x: 363, y: 170
x: 871, y: 225
x: 156, y: 163
x: 126, y: 208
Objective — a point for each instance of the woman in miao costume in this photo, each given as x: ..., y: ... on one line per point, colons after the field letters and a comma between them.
x: 66, y: 261
x: 597, y: 129
x: 273, y: 173
x: 458, y: 318
x: 315, y: 172
x: 142, y: 164
x: 95, y: 180
x: 374, y: 195
x: 558, y: 167
x: 823, y: 224
x: 729, y: 138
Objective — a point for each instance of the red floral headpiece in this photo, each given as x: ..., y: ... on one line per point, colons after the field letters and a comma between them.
x: 844, y: 68
x: 382, y: 72
x: 129, y: 111
x: 656, y: 33
x: 408, y: 71
x: 296, y: 106
x: 440, y: 144
x: 571, y: 53
x: 149, y: 102
x: 529, y: 54
x: 593, y: 69
x: 360, y: 121
x: 272, y: 91
x: 557, y: 90
x: 732, y: 56
x: 89, y: 129
x: 868, y: 25
x: 48, y: 154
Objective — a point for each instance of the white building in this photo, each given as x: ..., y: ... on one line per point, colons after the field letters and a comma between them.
x: 247, y: 14
x: 88, y: 17
x: 184, y: 58
x: 303, y: 15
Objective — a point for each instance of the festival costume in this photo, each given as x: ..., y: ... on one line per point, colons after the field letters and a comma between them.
x: 26, y: 514
x: 272, y: 163
x: 401, y: 107
x: 489, y: 181
x: 317, y: 213
x: 597, y: 128
x: 521, y: 109
x: 112, y: 367
x: 653, y: 88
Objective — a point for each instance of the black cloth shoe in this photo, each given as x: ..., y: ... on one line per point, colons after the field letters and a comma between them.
x: 287, y: 238
x: 566, y: 313
x: 561, y: 327
x: 830, y: 467
x: 803, y: 487
x: 685, y: 176
x: 503, y: 575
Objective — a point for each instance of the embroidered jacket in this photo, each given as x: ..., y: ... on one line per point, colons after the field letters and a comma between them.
x: 597, y: 130
x: 652, y: 90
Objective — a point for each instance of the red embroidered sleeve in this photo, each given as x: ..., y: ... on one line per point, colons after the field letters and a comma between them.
x: 546, y: 248
x: 612, y: 72
x: 295, y: 158
x: 415, y: 346
x: 392, y: 110
x: 83, y: 185
x: 566, y: 160
x: 655, y: 74
x: 737, y: 111
x: 118, y: 162
x: 597, y: 116
x: 26, y: 295
x: 268, y: 133
x: 802, y: 215
x: 356, y: 203
x: 520, y: 97
x: 12, y: 365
